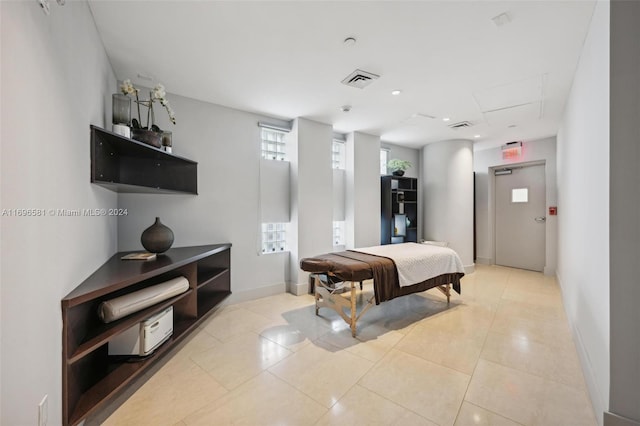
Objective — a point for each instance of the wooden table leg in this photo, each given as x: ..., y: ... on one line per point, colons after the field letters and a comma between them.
x: 317, y: 285
x: 353, y: 309
x: 446, y: 290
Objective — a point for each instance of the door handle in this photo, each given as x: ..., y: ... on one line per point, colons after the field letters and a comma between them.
x: 540, y: 219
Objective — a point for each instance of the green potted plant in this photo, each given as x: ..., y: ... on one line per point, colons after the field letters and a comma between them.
x: 398, y: 167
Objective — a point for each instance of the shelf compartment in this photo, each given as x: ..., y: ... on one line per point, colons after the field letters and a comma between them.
x: 390, y: 187
x: 90, y: 377
x: 102, y: 335
x: 402, y: 183
x: 206, y: 276
x: 126, y: 165
x: 213, y: 298
x: 122, y: 373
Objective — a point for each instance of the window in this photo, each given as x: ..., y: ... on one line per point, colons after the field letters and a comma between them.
x: 273, y: 144
x: 338, y: 233
x: 274, y: 237
x: 384, y: 159
x: 520, y: 195
x: 338, y: 160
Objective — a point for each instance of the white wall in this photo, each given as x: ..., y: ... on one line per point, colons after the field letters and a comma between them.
x: 226, y: 144
x: 583, y: 208
x: 311, y: 196
x: 624, y: 396
x: 363, y: 190
x: 56, y: 80
x: 537, y: 150
x: 447, y: 187
x: 408, y: 154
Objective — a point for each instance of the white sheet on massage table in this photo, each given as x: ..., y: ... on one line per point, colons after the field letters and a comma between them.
x: 418, y: 262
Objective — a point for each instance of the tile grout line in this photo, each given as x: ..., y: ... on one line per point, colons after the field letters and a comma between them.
x: 512, y: 282
x: 382, y: 396
x: 479, y: 357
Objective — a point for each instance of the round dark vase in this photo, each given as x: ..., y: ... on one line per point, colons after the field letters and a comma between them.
x: 157, y: 238
x: 398, y: 172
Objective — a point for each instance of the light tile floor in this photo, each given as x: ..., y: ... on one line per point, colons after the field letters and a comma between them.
x: 499, y: 354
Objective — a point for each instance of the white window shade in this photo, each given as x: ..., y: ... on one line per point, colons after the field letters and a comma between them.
x: 338, y: 233
x: 339, y: 185
x: 274, y: 191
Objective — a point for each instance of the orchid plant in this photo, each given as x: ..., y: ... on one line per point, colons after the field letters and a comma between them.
x: 159, y: 94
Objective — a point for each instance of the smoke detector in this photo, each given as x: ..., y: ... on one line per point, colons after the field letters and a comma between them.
x: 360, y: 79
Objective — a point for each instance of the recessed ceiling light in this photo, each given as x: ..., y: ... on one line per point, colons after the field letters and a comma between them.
x: 446, y: 119
x: 349, y: 41
x: 511, y: 126
x: 476, y: 136
x: 345, y: 108
x: 396, y: 92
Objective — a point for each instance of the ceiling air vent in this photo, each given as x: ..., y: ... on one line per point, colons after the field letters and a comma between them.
x: 360, y: 79
x: 460, y: 125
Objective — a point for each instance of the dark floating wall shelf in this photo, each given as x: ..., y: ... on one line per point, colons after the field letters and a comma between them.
x: 90, y: 377
x: 126, y: 165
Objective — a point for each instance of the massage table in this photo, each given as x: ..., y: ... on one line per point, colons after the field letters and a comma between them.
x: 396, y: 270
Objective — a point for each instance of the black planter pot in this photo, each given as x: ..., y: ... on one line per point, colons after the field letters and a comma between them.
x: 147, y: 136
x: 157, y: 238
x: 398, y: 172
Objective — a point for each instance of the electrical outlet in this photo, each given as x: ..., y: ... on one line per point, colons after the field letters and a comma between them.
x: 43, y: 411
x: 44, y: 4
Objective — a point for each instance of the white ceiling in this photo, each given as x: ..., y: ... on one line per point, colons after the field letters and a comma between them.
x: 287, y: 59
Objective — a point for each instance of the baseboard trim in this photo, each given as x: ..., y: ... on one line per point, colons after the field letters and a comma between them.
x: 597, y: 402
x: 255, y: 293
x: 483, y: 260
x: 298, y: 289
x: 611, y: 419
x: 549, y: 271
x: 470, y: 269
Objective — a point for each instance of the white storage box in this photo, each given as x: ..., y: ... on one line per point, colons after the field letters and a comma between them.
x: 144, y: 337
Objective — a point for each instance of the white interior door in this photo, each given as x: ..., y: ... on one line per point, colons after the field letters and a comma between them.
x: 520, y: 218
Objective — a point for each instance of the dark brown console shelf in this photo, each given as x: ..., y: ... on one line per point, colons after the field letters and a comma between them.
x: 90, y: 377
x: 126, y: 165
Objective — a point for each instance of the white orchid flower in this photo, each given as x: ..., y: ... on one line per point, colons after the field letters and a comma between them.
x: 127, y: 88
x: 158, y: 93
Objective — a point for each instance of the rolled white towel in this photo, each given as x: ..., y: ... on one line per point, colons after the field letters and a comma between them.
x: 119, y: 307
